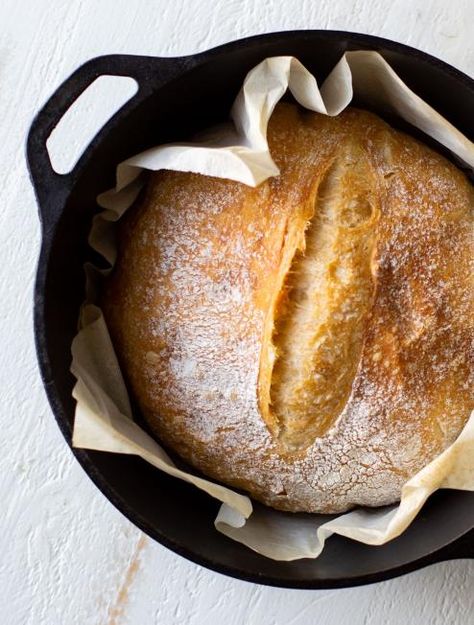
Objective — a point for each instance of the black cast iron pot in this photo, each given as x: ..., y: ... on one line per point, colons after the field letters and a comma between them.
x: 176, y: 97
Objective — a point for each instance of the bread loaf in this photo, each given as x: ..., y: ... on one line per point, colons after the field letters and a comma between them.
x: 311, y: 340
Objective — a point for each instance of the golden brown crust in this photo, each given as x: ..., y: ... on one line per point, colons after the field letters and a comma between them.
x: 310, y: 340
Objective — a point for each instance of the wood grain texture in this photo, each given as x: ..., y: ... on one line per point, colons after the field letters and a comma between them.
x: 49, y: 506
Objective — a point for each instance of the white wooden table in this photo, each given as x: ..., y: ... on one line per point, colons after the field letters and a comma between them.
x: 67, y: 556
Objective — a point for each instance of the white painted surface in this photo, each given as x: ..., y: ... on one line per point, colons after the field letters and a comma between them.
x: 67, y: 556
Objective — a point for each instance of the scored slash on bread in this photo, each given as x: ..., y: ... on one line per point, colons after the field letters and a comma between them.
x: 323, y: 305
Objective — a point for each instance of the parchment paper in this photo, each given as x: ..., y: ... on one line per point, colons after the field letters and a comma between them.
x: 239, y: 151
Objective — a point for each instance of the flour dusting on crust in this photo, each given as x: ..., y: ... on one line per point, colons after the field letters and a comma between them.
x: 189, y: 299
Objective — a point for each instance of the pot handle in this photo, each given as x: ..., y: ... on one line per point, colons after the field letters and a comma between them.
x: 147, y: 71
x: 460, y: 549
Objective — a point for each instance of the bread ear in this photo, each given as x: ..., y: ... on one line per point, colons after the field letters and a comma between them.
x: 326, y: 297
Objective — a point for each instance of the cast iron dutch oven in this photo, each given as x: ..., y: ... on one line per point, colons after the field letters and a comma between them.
x: 175, y: 98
